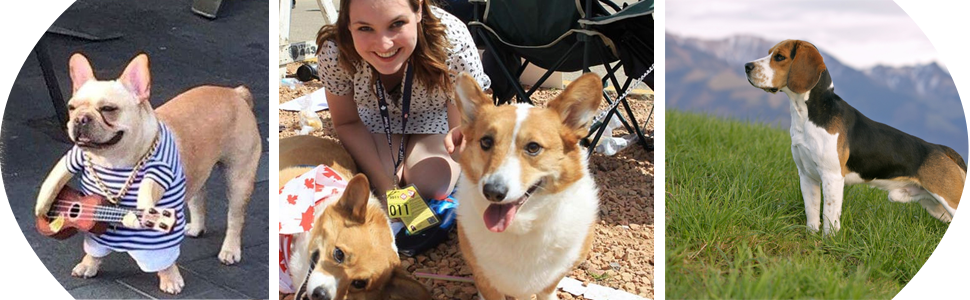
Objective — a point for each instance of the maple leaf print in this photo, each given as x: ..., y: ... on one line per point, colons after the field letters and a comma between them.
x: 329, y: 173
x: 307, y: 219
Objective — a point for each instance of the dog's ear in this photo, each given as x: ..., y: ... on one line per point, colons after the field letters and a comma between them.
x: 353, y: 202
x: 577, y: 104
x: 806, y: 68
x: 81, y: 71
x: 137, y: 78
x: 470, y: 98
x: 402, y: 287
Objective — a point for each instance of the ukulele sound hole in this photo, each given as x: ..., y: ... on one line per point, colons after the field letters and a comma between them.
x: 75, y: 210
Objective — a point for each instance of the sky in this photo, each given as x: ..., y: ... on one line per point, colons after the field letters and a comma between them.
x: 861, y: 33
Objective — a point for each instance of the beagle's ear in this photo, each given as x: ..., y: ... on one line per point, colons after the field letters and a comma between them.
x: 806, y: 69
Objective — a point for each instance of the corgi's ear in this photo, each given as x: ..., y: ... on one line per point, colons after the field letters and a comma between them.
x: 81, y: 71
x: 471, y: 98
x: 137, y: 78
x: 353, y: 203
x: 402, y: 287
x: 577, y: 104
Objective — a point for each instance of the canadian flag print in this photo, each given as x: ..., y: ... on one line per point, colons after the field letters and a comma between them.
x: 299, y: 196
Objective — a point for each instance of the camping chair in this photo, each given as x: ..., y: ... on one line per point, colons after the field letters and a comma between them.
x: 559, y: 35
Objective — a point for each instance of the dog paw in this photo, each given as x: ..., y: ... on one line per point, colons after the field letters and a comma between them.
x: 230, y: 256
x: 193, y: 230
x: 87, y: 268
x: 170, y: 280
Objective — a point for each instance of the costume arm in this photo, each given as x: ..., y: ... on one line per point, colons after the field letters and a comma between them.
x: 56, y: 180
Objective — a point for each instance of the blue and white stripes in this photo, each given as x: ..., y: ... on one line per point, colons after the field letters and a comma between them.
x: 164, y: 167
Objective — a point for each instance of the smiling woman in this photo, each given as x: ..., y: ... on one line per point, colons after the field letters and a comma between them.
x: 364, y: 58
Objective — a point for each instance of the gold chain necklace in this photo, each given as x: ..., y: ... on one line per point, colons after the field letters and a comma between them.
x: 131, y: 178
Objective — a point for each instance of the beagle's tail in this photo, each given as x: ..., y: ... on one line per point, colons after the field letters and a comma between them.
x: 955, y: 157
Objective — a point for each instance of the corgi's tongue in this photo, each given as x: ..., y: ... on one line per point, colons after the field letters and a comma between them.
x: 498, y: 217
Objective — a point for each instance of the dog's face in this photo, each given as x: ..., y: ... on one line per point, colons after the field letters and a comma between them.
x: 354, y: 252
x: 793, y: 64
x: 109, y: 115
x: 515, y: 152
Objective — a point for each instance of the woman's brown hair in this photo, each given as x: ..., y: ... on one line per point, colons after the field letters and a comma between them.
x: 429, y: 54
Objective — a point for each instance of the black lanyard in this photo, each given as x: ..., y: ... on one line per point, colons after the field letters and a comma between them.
x: 405, y: 109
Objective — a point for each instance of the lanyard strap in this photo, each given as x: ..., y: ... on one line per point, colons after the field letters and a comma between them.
x: 405, y: 110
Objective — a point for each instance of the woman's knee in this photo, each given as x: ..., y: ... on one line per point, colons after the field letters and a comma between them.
x: 433, y: 176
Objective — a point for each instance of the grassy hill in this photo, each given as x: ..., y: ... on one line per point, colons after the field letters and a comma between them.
x: 735, y: 222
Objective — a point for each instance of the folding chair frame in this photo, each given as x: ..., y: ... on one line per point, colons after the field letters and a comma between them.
x: 583, y: 38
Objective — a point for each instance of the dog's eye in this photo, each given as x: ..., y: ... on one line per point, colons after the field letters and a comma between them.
x: 70, y: 107
x: 533, y: 148
x: 487, y: 143
x: 338, y: 255
x: 779, y: 57
x: 359, y: 284
x: 108, y: 109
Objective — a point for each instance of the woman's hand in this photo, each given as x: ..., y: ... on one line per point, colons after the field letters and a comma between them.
x: 454, y: 140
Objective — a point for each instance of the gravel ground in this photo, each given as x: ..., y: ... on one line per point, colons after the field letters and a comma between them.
x: 623, y: 249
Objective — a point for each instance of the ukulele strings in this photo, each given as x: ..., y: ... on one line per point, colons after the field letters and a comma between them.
x: 102, y: 213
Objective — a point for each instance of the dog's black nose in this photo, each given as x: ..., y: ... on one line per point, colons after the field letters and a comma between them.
x: 82, y: 120
x: 748, y: 67
x: 495, y: 192
x: 319, y: 294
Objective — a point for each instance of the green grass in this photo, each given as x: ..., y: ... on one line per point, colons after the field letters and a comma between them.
x: 735, y: 222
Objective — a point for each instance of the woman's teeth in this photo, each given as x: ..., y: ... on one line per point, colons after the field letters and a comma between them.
x: 386, y: 54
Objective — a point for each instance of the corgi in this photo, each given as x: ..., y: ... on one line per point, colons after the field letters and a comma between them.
x: 350, y: 243
x: 528, y: 202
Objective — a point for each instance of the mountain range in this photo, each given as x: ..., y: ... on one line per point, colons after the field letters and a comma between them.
x: 708, y: 76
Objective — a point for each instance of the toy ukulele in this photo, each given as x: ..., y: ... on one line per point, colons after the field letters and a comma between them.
x: 72, y: 212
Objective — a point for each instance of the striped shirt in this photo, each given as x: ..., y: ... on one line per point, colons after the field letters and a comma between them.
x: 164, y: 167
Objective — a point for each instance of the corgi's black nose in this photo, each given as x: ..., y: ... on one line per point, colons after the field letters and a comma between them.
x: 319, y: 294
x: 748, y: 67
x: 494, y: 191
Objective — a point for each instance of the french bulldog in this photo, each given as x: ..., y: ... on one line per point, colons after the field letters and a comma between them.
x: 113, y: 124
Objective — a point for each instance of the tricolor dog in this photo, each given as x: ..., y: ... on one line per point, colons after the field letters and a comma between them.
x: 350, y: 245
x: 528, y: 202
x: 833, y: 144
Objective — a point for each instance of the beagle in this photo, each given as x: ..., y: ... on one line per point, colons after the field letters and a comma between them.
x: 834, y: 145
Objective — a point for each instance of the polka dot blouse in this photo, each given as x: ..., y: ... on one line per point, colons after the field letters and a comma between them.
x: 429, y: 114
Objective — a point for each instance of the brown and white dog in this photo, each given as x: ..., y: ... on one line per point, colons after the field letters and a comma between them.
x: 114, y: 123
x: 528, y: 202
x: 834, y: 145
x: 351, y: 240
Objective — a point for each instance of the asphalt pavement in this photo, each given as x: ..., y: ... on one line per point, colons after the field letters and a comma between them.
x: 185, y: 50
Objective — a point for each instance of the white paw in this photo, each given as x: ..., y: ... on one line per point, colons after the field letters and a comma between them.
x: 170, y: 280
x: 84, y: 270
x: 194, y: 230
x: 230, y: 256
x: 87, y: 268
x: 831, y: 229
